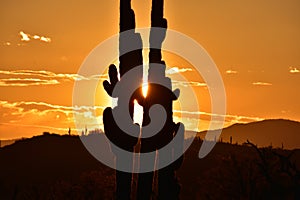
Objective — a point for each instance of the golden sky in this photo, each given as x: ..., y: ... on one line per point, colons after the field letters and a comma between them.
x: 255, y: 44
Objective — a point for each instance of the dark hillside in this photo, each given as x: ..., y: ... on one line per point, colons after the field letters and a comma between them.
x: 59, y: 167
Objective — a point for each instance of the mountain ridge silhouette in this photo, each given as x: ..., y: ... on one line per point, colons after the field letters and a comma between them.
x: 275, y: 132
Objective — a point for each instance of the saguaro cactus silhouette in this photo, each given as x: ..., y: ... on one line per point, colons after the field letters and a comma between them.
x: 127, y: 61
x: 159, y: 92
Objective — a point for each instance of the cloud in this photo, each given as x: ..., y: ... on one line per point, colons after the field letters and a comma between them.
x: 176, y: 70
x: 34, y: 126
x: 294, y: 70
x: 27, y: 37
x: 36, y: 37
x: 45, y: 39
x: 23, y: 82
x: 261, y: 84
x: 42, y: 77
x: 42, y: 106
x: 24, y: 36
x: 45, y: 116
x: 19, y: 45
x: 6, y: 44
x: 231, y: 71
x: 188, y: 84
x: 228, y: 117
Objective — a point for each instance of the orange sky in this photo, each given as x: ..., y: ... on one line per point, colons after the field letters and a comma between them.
x: 255, y: 44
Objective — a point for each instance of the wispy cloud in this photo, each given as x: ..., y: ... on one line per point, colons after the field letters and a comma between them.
x: 6, y: 43
x: 42, y: 77
x: 176, y: 70
x: 228, y: 117
x: 188, y: 84
x: 294, y: 70
x: 27, y: 37
x: 231, y: 71
x: 261, y: 84
x: 44, y: 116
x: 34, y: 126
x: 22, y: 82
x: 49, y: 116
x: 42, y: 106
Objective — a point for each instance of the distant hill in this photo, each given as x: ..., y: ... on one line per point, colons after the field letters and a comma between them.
x: 275, y: 132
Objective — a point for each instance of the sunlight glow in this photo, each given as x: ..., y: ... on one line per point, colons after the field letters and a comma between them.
x: 145, y: 89
x: 138, y: 113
